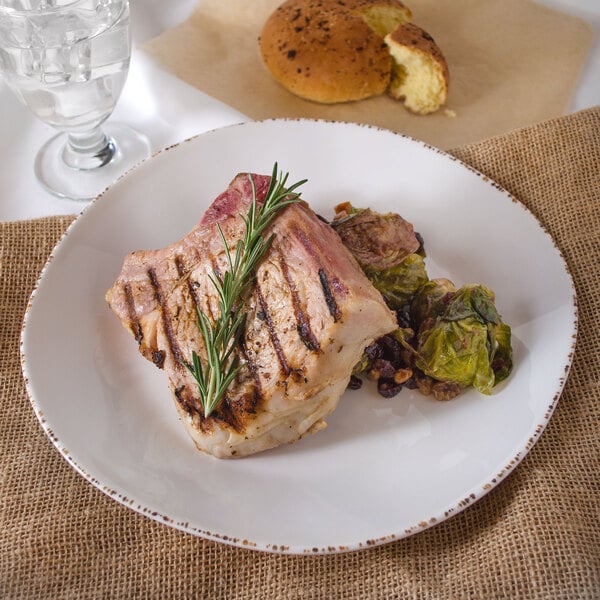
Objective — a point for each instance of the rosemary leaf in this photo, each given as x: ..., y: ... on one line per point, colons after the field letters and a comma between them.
x: 222, y: 338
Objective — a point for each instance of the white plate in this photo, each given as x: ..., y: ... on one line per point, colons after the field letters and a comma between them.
x: 384, y: 468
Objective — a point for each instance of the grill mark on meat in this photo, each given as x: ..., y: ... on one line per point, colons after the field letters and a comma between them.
x: 234, y: 411
x: 193, y: 408
x: 134, y: 323
x: 253, y: 372
x: 301, y: 236
x: 182, y: 401
x: 189, y: 403
x: 302, y: 322
x: 180, y: 267
x: 166, y: 317
x: 272, y: 332
x: 242, y: 406
x: 334, y: 309
x: 228, y: 413
x: 191, y: 285
x: 158, y: 358
x: 256, y: 398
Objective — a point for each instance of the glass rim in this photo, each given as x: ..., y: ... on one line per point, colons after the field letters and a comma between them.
x: 9, y: 11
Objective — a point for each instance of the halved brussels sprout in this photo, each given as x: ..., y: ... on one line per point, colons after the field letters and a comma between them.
x: 376, y: 240
x: 399, y: 283
x: 467, y: 343
x: 430, y: 300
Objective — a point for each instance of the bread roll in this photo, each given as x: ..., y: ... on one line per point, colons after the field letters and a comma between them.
x: 331, y: 50
x: 420, y: 74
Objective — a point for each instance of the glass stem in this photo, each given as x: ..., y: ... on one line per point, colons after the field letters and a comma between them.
x: 89, y: 150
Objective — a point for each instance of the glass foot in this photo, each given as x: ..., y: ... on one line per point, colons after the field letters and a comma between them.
x: 130, y: 148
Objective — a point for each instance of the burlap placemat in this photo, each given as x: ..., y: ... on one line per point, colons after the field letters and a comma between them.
x: 537, y: 535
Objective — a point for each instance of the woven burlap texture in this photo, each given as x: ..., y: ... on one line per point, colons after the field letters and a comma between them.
x: 537, y: 535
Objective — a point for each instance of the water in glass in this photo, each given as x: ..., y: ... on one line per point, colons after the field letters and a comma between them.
x: 69, y: 68
x: 67, y: 60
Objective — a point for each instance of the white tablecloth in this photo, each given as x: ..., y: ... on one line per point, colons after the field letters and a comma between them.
x: 168, y: 110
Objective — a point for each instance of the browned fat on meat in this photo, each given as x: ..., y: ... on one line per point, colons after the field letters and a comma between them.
x: 311, y: 313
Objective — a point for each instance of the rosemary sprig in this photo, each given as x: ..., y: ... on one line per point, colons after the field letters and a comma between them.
x: 222, y: 337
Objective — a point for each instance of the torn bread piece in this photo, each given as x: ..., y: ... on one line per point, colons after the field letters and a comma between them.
x: 420, y: 75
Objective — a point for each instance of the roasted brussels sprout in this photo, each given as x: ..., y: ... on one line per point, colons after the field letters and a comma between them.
x: 447, y: 339
x: 467, y: 343
x: 376, y: 240
x: 399, y: 283
x: 430, y: 300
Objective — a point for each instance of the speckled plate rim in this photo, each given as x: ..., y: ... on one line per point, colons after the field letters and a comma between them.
x: 469, y: 497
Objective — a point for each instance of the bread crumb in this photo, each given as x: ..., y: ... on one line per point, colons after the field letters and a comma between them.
x: 450, y: 113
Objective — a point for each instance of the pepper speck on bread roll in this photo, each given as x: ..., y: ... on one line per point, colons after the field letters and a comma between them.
x: 420, y: 75
x: 331, y: 50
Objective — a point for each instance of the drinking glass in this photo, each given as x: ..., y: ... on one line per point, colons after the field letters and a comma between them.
x: 67, y: 61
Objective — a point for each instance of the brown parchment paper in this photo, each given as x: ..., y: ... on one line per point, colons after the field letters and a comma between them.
x: 512, y: 63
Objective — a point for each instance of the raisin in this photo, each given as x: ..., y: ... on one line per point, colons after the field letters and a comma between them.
x: 388, y: 388
x: 355, y: 383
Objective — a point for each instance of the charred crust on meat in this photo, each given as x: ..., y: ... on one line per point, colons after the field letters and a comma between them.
x: 158, y: 358
x: 191, y: 284
x: 252, y: 368
x: 189, y: 402
x: 272, y: 332
x: 182, y: 400
x: 302, y: 323
x: 256, y: 398
x: 307, y: 337
x: 299, y: 376
x: 235, y: 411
x: 227, y: 415
x: 166, y: 317
x: 179, y: 265
x: 135, y: 327
x: 283, y: 384
x: 334, y: 309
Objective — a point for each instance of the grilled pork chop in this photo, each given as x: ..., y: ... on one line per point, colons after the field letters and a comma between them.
x: 311, y: 313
